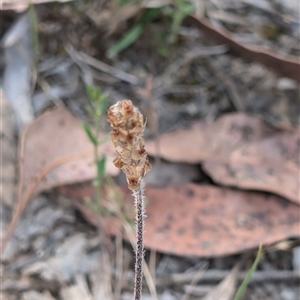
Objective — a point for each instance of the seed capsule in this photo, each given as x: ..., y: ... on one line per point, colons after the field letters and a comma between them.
x: 127, y: 134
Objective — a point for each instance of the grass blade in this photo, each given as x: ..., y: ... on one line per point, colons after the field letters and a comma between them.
x: 133, y: 34
x: 89, y: 134
x: 246, y: 280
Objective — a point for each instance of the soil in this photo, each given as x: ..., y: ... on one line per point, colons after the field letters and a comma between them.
x: 54, y: 252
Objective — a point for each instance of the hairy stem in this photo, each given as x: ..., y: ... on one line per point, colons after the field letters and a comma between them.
x: 139, y: 252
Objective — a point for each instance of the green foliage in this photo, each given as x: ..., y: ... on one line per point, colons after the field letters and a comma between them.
x: 93, y: 93
x: 101, y: 167
x: 96, y: 110
x: 134, y: 33
x: 162, y: 45
x: 98, y: 106
x: 33, y: 19
x: 177, y: 13
x: 246, y: 280
x: 124, y: 2
x: 90, y: 134
x: 99, y: 100
x: 131, y: 36
x: 92, y: 206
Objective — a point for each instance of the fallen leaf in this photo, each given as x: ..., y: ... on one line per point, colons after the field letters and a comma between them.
x: 239, y: 150
x: 203, y: 220
x: 286, y: 65
x: 54, y: 150
x: 56, y: 145
x: 21, y: 5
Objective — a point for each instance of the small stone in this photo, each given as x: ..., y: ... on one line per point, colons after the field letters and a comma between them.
x: 296, y: 258
x: 285, y: 84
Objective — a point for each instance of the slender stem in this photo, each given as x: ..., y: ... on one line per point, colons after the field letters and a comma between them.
x: 96, y: 157
x: 139, y: 253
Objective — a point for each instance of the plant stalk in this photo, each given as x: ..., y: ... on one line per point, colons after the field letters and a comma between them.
x: 139, y: 252
x: 96, y: 157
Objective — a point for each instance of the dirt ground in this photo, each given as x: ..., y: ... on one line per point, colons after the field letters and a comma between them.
x: 176, y: 75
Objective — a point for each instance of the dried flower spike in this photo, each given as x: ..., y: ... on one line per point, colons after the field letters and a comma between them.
x: 127, y: 136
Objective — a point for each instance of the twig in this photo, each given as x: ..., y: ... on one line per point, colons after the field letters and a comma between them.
x: 47, y: 89
x: 214, y: 276
x: 152, y: 264
x: 119, y: 266
x: 97, y: 64
x: 152, y: 118
x: 174, y: 71
x: 195, y: 280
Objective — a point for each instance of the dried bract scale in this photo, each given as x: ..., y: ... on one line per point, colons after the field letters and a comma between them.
x: 127, y: 135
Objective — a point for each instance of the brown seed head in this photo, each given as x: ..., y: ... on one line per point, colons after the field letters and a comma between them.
x: 127, y: 134
x: 127, y: 109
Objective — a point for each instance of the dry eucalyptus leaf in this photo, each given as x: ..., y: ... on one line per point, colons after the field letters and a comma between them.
x: 203, y: 220
x: 54, y: 151
x: 239, y: 150
x: 56, y: 145
x: 21, y: 5
x: 286, y: 65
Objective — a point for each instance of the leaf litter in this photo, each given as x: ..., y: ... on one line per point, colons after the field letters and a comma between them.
x: 54, y: 150
x: 248, y: 90
x: 236, y: 150
x: 201, y: 220
x: 286, y: 65
x: 239, y: 150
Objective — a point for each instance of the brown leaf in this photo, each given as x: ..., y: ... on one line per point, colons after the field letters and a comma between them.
x: 239, y: 150
x: 21, y: 5
x: 56, y: 145
x: 286, y: 65
x: 204, y: 220
x: 54, y: 151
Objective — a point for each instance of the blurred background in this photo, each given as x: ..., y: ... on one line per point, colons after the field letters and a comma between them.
x: 218, y: 85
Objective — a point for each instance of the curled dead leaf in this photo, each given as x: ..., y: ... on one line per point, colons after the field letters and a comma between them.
x: 286, y: 65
